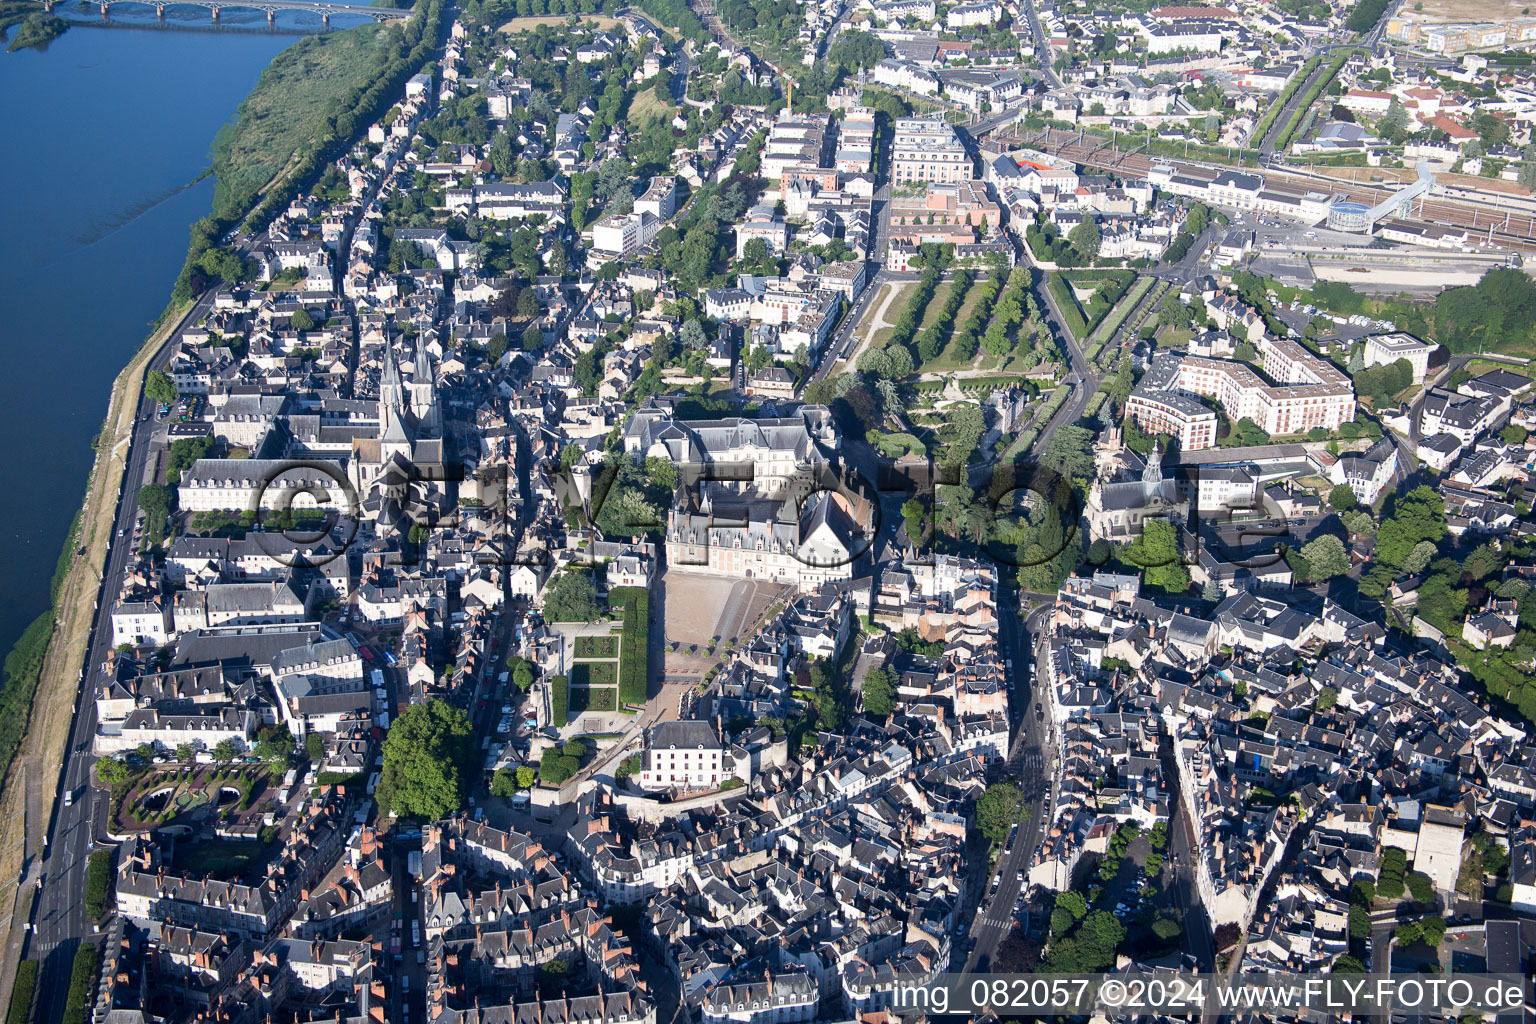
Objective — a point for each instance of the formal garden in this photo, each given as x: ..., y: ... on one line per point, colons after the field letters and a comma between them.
x: 179, y: 794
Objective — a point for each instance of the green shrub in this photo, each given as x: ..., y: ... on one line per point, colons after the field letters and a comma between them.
x: 82, y: 984
x: 22, y: 992
x: 559, y: 700
x: 98, y: 878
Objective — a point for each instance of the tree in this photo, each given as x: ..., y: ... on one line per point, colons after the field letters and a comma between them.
x: 496, y: 347
x: 1359, y: 922
x: 879, y: 692
x: 160, y: 388
x: 1420, y: 887
x: 1417, y: 516
x: 1359, y: 524
x: 1070, y: 452
x: 1156, y: 552
x: 571, y: 597
x: 1326, y: 556
x: 428, y: 755
x: 1419, y: 558
x: 274, y: 744
x: 1198, y: 219
x: 184, y: 753
x: 526, y: 776
x: 504, y: 783
x: 1343, y: 498
x: 533, y: 337
x: 1099, y: 936
x: 225, y: 751
x: 1389, y: 878
x: 522, y: 675
x: 555, y: 767
x: 314, y: 746
x: 691, y: 335
x: 997, y: 811
x: 301, y: 320
x: 1085, y: 239
x: 1346, y: 964
x: 111, y: 770
x: 1327, y: 698
x: 154, y: 499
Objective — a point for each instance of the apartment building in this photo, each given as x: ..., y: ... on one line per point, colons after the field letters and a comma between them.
x: 928, y: 150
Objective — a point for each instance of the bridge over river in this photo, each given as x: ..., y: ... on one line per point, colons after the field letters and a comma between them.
x: 325, y: 10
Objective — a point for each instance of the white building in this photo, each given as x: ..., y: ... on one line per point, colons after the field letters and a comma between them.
x: 1389, y: 348
x: 624, y: 233
x: 685, y: 755
x: 928, y: 150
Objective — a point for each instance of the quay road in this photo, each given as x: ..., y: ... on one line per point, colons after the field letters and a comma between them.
x: 58, y: 922
x: 1507, y: 231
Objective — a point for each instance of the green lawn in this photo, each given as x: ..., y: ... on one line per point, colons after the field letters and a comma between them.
x: 947, y: 360
x: 596, y: 698
x: 647, y: 106
x: 598, y: 647
x: 936, y: 305
x: 594, y: 673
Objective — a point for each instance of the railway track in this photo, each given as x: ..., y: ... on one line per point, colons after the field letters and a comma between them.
x: 1510, y: 231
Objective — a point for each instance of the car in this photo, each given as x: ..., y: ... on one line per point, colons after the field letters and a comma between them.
x: 69, y: 797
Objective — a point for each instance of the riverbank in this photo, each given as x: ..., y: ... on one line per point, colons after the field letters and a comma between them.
x: 308, y: 108
x: 27, y: 801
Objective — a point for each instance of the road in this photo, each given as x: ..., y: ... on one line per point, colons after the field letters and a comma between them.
x: 681, y: 67
x: 58, y: 920
x: 1029, y: 762
x: 1282, y: 119
x: 840, y: 346
x: 1042, y: 45
x: 1080, y: 376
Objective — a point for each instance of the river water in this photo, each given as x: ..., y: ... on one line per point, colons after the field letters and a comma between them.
x: 103, y: 133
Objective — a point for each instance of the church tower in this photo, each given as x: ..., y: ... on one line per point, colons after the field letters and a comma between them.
x: 395, y: 435
x: 424, y: 391
x: 1152, y: 474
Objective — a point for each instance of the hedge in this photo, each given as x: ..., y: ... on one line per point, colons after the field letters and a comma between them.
x: 98, y: 877
x: 1281, y: 99
x: 82, y: 984
x: 634, y: 644
x: 1289, y: 132
x: 22, y: 992
x: 1080, y: 321
x: 559, y: 700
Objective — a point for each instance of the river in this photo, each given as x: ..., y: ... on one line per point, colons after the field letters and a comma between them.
x: 103, y: 133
